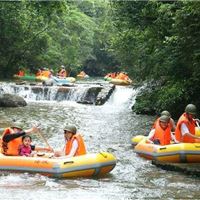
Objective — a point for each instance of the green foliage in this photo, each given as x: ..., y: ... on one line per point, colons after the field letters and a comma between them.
x: 52, y: 33
x: 148, y: 39
x: 156, y: 39
x: 170, y: 96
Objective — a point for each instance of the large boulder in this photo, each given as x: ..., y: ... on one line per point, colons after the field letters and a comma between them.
x: 11, y: 100
x: 104, y: 94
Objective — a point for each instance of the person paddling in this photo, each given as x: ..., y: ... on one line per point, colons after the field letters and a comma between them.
x: 185, y: 128
x: 74, y: 145
x: 12, y: 139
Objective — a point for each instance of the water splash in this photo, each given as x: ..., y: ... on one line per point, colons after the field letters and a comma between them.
x: 123, y: 97
x: 53, y: 93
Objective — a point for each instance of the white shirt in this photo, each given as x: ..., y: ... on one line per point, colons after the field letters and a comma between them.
x: 151, y: 134
x: 184, y: 129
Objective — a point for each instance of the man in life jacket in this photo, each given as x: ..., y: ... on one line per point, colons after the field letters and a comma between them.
x: 171, y: 121
x: 185, y: 128
x: 161, y: 134
x: 46, y: 73
x: 20, y: 72
x: 12, y: 138
x: 74, y: 146
x: 39, y: 72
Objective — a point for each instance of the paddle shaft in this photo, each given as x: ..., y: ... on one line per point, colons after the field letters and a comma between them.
x: 197, y: 123
x: 44, y: 139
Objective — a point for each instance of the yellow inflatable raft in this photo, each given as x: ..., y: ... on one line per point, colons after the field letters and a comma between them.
x: 71, y: 79
x: 81, y: 166
x: 120, y: 82
x: 174, y: 153
x: 41, y: 78
x: 136, y: 139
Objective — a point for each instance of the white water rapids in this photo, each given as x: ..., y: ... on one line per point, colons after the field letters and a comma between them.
x: 110, y: 128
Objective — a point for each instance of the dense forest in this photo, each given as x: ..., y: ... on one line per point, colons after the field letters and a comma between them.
x: 154, y: 41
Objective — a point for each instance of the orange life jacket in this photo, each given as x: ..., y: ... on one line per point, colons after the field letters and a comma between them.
x: 39, y: 73
x: 170, y: 123
x: 10, y: 148
x: 122, y: 76
x: 113, y: 75
x: 164, y: 136
x: 82, y: 73
x: 191, y: 127
x: 81, y: 145
x: 21, y: 73
x: 46, y: 73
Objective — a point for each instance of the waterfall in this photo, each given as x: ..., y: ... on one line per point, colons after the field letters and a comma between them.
x: 123, y: 97
x: 81, y: 93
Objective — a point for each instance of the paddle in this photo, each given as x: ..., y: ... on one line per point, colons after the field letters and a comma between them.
x: 197, y: 123
x: 42, y: 136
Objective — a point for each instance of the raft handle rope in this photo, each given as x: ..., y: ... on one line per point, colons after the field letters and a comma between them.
x: 68, y: 162
x: 105, y: 156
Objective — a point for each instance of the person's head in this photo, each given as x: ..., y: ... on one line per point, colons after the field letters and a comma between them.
x: 163, y: 121
x: 26, y: 140
x: 165, y: 112
x: 69, y: 131
x: 16, y: 127
x: 191, y: 110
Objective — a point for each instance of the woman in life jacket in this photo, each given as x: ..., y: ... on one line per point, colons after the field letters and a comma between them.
x: 74, y: 145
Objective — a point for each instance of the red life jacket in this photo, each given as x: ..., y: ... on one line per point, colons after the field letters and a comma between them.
x: 10, y: 148
x: 164, y: 136
x: 81, y: 145
x: 191, y: 127
x: 21, y: 73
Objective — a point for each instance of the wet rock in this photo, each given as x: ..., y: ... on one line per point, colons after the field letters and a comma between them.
x: 85, y: 102
x: 11, y: 100
x: 48, y: 82
x: 105, y: 93
x: 21, y: 83
x: 90, y: 95
x: 187, y: 168
x: 63, y: 89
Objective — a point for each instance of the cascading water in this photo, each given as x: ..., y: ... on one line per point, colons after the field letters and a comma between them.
x: 123, y: 97
x: 47, y: 93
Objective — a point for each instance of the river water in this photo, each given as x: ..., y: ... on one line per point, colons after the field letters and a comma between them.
x: 105, y: 128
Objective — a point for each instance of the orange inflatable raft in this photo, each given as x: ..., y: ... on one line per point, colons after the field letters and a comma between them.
x: 120, y: 81
x: 80, y: 166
